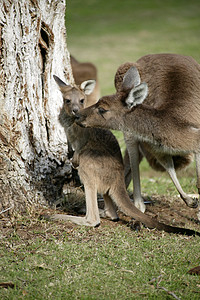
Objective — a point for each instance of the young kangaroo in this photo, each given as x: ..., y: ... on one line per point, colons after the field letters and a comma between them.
x: 166, y: 127
x: 100, y: 165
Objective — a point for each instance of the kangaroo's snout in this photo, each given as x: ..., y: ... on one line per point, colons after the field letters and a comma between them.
x: 75, y: 111
x: 79, y: 118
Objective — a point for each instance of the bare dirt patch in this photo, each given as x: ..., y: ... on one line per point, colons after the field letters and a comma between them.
x: 169, y: 210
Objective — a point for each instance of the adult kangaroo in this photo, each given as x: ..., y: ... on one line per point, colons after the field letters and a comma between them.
x: 166, y: 126
x: 98, y: 155
x: 83, y: 71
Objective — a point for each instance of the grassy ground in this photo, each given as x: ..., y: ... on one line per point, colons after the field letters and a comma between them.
x: 44, y: 260
x: 40, y: 260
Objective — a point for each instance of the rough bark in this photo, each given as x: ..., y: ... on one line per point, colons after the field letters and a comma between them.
x: 33, y: 144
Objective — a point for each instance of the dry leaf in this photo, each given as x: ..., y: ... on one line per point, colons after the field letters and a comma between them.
x: 7, y: 285
x: 195, y: 271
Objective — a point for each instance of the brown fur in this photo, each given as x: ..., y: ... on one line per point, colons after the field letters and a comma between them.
x: 86, y: 71
x: 166, y: 128
x: 100, y: 168
x: 180, y: 162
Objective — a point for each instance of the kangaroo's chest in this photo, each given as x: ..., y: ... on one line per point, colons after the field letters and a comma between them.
x: 77, y: 137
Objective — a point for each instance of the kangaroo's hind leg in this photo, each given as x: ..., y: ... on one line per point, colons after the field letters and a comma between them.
x: 197, y: 158
x: 92, y: 213
x: 167, y: 162
x: 127, y: 167
x: 134, y: 156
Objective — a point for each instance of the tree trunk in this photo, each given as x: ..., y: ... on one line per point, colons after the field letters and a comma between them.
x: 33, y: 145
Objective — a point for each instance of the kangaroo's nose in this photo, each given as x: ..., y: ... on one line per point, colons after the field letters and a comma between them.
x: 74, y: 111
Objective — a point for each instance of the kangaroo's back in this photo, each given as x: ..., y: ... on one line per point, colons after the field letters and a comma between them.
x: 173, y: 83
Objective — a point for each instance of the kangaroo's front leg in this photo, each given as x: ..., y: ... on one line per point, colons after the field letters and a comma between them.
x: 133, y: 151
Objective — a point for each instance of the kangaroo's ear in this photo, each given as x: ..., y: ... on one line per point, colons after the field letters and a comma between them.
x: 59, y: 81
x: 88, y: 86
x: 62, y: 85
x: 137, y: 95
x: 131, y: 79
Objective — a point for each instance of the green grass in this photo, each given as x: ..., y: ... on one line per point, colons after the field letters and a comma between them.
x: 109, y: 33
x: 62, y: 261
x: 102, y: 263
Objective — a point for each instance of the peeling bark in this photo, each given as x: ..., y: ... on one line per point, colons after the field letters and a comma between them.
x: 33, y: 145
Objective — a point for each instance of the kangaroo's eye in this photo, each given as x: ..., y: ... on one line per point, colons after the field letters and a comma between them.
x: 67, y: 101
x: 82, y: 101
x: 101, y: 110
